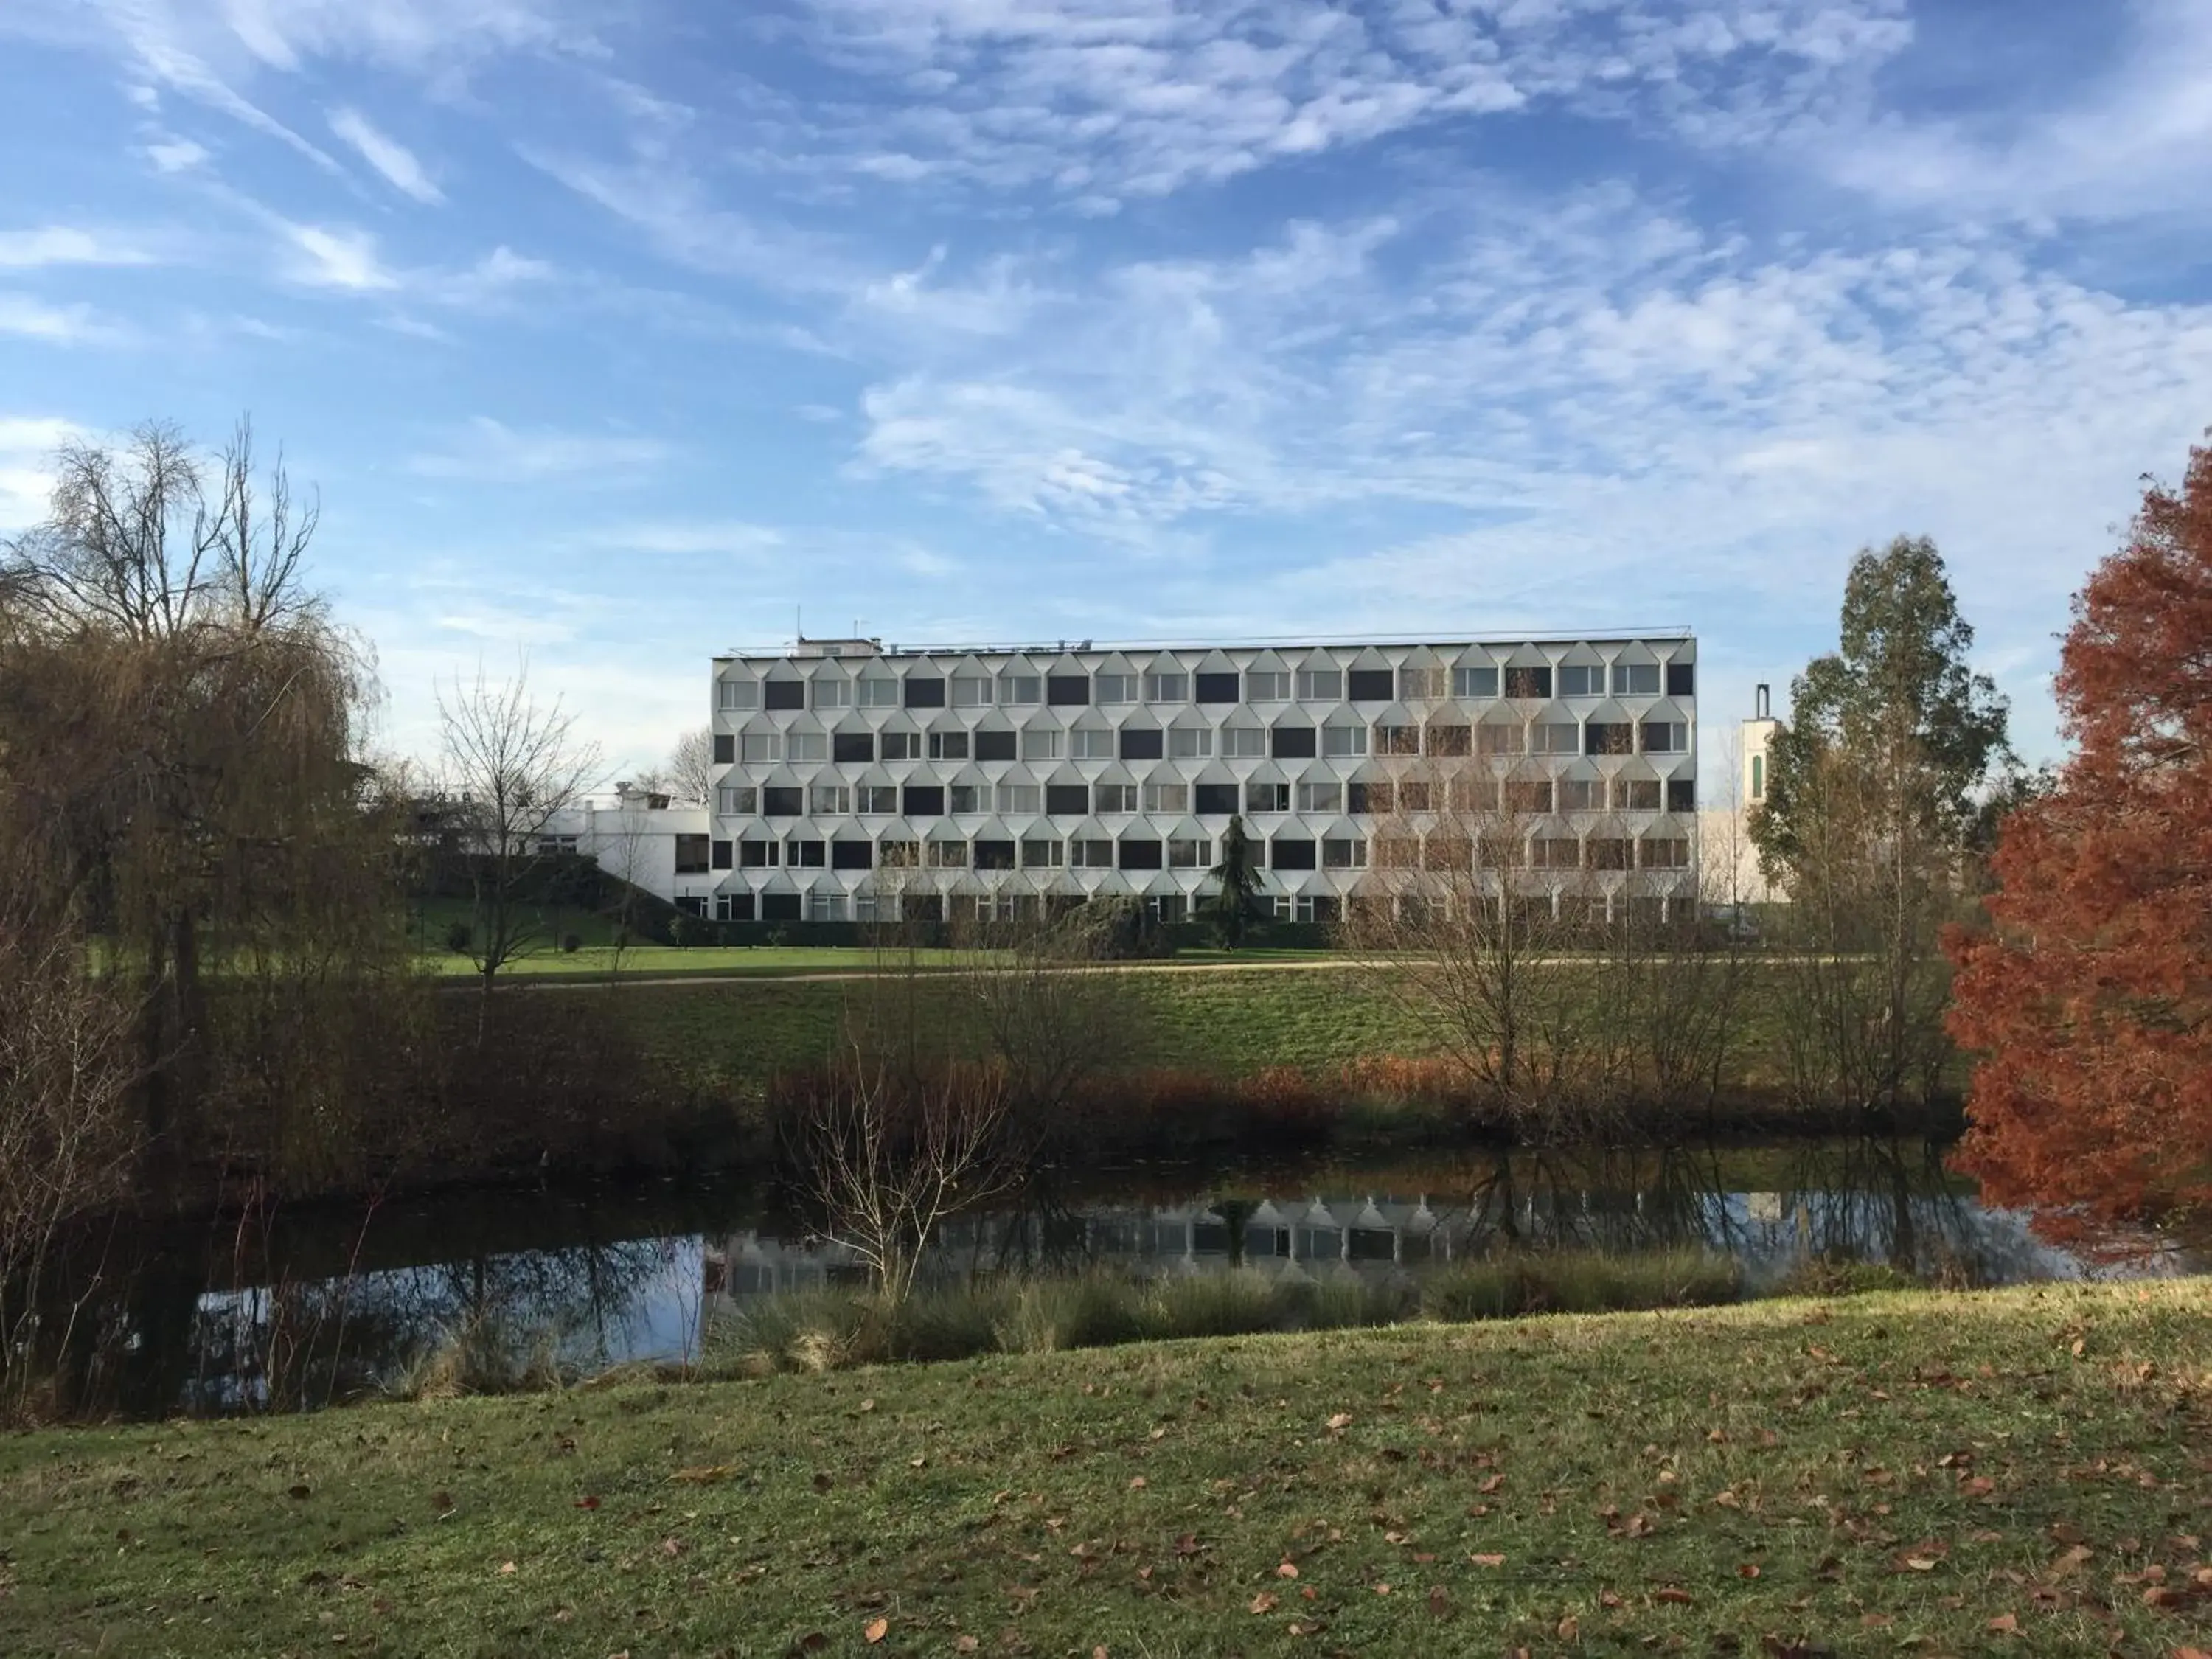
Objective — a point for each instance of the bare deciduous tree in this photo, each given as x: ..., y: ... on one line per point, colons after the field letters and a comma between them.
x: 690, y: 768
x: 886, y: 1154
x: 511, y: 766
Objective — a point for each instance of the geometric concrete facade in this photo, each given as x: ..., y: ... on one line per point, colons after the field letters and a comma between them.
x: 857, y: 782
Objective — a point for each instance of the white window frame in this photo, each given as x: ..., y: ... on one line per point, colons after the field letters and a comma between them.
x: 760, y: 748
x: 1567, y: 731
x: 1190, y: 853
x: 742, y: 692
x: 1243, y: 742
x: 1042, y: 743
x: 1081, y: 848
x: 1625, y: 675
x: 1343, y: 742
x: 1321, y: 796
x: 1276, y: 687
x: 1123, y: 795
x: 878, y: 692
x: 1021, y: 797
x: 734, y: 800
x: 803, y: 748
x: 979, y: 798
x: 1579, y: 679
x: 1167, y: 685
x: 1321, y: 685
x: 971, y: 692
x: 1190, y: 742
x: 948, y: 745
x: 831, y: 799
x: 1354, y: 858
x: 872, y: 794
x: 1089, y: 742
x: 1114, y: 688
x: 1043, y: 853
x: 1166, y: 798
x: 1476, y: 681
x: 1021, y: 690
x: 908, y: 742
x: 831, y: 691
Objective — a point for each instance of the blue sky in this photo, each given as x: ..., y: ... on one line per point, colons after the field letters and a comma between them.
x: 616, y: 330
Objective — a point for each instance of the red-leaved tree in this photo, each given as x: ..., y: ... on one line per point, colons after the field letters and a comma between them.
x: 2088, y: 1001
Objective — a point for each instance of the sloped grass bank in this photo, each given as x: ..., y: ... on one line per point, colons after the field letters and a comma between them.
x: 2010, y: 1471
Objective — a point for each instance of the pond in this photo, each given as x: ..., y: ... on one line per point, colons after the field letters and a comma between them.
x: 304, y: 1309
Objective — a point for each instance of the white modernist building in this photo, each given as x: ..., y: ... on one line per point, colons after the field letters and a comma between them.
x: 858, y: 782
x: 639, y: 836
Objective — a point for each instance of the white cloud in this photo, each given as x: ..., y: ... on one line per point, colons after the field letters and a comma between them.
x: 28, y: 444
x: 27, y: 318
x: 387, y: 155
x: 336, y: 257
x: 2134, y: 139
x: 1102, y: 99
x: 730, y: 536
x: 486, y: 450
x: 175, y: 154
x: 69, y: 245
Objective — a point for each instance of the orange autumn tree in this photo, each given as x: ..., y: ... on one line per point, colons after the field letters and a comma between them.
x: 2089, y: 998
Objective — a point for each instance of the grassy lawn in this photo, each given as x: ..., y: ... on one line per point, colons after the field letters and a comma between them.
x: 671, y: 962
x: 2021, y: 1471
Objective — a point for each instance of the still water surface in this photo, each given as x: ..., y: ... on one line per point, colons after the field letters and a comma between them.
x: 311, y: 1307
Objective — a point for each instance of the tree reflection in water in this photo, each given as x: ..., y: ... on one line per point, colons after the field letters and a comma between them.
x: 485, y: 1290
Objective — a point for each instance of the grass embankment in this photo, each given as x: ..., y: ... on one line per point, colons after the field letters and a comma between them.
x: 1947, y: 1473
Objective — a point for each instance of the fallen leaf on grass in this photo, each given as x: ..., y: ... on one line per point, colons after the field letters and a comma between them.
x: 965, y: 1644
x: 1263, y: 1602
x: 876, y: 1629
x: 1137, y: 1483
x: 703, y: 1474
x: 1341, y: 1420
x: 1569, y: 1628
x: 1487, y: 1560
x: 300, y: 1492
x: 507, y: 1569
x: 588, y: 1503
x: 1439, y: 1602
x: 1288, y: 1570
x: 1748, y: 1569
x: 2004, y: 1624
x: 1681, y: 1598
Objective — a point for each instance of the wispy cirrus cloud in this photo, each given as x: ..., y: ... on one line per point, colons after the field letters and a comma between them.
x: 28, y: 444
x: 27, y: 316
x: 489, y: 451
x: 393, y: 160
x: 71, y: 245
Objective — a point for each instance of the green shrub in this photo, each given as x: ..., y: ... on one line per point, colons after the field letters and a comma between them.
x: 570, y: 944
x: 459, y: 936
x: 1838, y: 1275
x: 1092, y: 1310
x: 1212, y: 1304
x: 953, y: 1321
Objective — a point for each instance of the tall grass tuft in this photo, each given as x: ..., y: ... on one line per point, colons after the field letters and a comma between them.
x: 1509, y: 1287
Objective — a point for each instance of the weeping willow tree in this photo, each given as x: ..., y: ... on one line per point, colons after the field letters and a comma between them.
x: 181, y: 767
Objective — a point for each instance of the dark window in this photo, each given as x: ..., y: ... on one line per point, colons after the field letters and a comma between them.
x: 1608, y: 738
x: 852, y: 746
x: 783, y: 694
x: 1266, y: 797
x: 1681, y: 795
x: 1140, y: 855
x: 1528, y: 681
x: 1289, y: 853
x: 1214, y: 799
x: 725, y: 748
x: 995, y: 855
x: 851, y: 855
x: 1141, y: 743
x: 1372, y: 685
x: 925, y: 800
x: 1325, y: 908
x: 741, y: 907
x: 994, y: 745
x: 725, y: 853
x: 1067, y: 691
x: 1217, y: 688
x: 1067, y: 797
x: 806, y: 855
x: 925, y: 691
x: 1528, y: 795
x: 782, y: 801
x: 1367, y: 798
x: 922, y: 906
x: 779, y: 907
x: 1450, y: 740
x: 760, y: 854
x: 691, y: 855
x: 1290, y: 742
x: 1681, y: 679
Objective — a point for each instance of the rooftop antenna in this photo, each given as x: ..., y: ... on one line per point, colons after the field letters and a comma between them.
x: 799, y: 621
